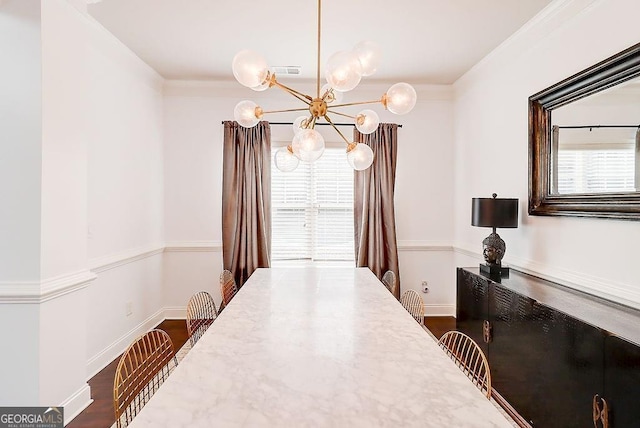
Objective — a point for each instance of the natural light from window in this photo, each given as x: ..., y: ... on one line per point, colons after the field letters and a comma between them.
x: 312, y: 212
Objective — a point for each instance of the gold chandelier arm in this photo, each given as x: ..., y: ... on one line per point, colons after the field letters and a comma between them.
x: 287, y: 110
x: 337, y: 130
x: 357, y: 104
x: 318, y: 63
x: 341, y: 114
x: 298, y: 95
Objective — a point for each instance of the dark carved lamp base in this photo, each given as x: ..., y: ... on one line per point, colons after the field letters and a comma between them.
x: 494, y: 271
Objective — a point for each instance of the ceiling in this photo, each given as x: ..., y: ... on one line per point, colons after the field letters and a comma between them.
x: 423, y: 41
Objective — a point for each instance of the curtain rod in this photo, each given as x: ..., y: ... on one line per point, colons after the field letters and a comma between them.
x: 323, y: 124
x: 597, y: 126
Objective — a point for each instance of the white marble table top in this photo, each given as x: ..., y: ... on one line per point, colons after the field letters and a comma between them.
x: 326, y: 347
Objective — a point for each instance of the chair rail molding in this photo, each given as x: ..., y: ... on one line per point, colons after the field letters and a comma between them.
x: 409, y: 245
x: 111, y: 261
x: 594, y: 285
x: 27, y: 292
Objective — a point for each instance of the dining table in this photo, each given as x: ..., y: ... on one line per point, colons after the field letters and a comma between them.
x: 317, y: 347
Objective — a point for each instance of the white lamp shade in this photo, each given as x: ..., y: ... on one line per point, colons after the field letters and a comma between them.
x: 250, y: 68
x: 360, y: 157
x: 245, y: 114
x: 369, y: 55
x: 401, y: 98
x: 285, y: 160
x: 343, y: 71
x: 367, y: 121
x: 334, y: 98
x: 308, y: 145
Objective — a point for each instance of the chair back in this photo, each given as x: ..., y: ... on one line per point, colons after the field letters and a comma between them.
x: 143, y: 367
x: 228, y: 287
x: 413, y: 303
x: 468, y: 356
x: 201, y: 312
x: 389, y: 280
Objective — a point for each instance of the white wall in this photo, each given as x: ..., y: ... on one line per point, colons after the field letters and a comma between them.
x: 20, y: 190
x: 82, y: 169
x: 491, y: 132
x: 64, y: 204
x: 193, y: 183
x: 125, y: 195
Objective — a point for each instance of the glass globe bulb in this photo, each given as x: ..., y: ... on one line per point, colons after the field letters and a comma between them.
x: 250, y: 68
x: 343, y: 71
x: 308, y: 145
x: 262, y: 87
x: 335, y: 97
x: 400, y: 98
x: 285, y: 160
x: 360, y: 157
x: 367, y: 121
x: 369, y: 54
x: 298, y: 124
x: 245, y: 114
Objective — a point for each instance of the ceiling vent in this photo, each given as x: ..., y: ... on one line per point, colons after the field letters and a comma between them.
x: 287, y: 70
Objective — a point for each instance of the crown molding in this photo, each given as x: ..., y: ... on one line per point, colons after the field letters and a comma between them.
x: 232, y: 89
x: 548, y: 20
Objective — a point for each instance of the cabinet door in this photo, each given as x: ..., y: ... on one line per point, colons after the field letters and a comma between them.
x: 546, y: 364
x: 622, y: 382
x: 472, y: 305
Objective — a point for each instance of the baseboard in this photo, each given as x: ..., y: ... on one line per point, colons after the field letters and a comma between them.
x: 175, y: 312
x: 193, y: 246
x: 76, y: 403
x: 111, y: 352
x: 440, y: 310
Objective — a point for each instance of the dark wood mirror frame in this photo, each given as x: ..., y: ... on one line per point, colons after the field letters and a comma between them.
x: 612, y: 71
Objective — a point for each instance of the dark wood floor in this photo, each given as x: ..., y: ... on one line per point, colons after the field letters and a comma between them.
x: 100, y: 413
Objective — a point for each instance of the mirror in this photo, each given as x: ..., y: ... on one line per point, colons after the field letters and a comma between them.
x: 584, y: 142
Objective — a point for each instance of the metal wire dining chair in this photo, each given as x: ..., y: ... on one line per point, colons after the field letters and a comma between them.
x: 201, y: 312
x: 468, y: 356
x: 413, y: 303
x: 390, y: 281
x: 228, y: 287
x: 143, y: 367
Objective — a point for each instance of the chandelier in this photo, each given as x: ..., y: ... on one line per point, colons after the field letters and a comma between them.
x: 343, y: 72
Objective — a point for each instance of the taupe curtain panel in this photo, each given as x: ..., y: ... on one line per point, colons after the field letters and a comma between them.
x: 246, y: 199
x: 637, y: 170
x: 375, y: 222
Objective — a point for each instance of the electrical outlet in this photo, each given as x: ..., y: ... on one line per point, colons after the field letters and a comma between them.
x: 425, y: 287
x: 129, y: 308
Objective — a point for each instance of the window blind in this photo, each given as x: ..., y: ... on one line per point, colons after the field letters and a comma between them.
x: 312, y: 210
x: 599, y: 170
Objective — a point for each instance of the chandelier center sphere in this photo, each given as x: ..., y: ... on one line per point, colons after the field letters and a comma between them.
x: 318, y: 108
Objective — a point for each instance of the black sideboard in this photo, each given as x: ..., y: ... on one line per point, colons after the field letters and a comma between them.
x: 551, y: 349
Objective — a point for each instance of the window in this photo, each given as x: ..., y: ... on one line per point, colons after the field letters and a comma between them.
x: 312, y: 210
x: 596, y: 170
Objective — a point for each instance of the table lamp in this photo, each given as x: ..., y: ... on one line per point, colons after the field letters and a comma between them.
x: 494, y: 212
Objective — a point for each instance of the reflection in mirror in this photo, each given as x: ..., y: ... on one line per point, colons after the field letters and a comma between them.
x: 595, y: 143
